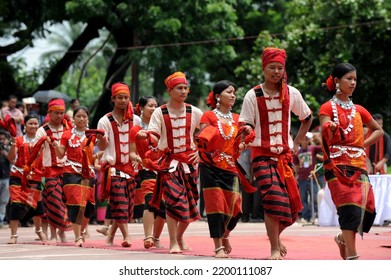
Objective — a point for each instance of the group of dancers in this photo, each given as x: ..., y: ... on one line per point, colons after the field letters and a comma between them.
x: 166, y: 149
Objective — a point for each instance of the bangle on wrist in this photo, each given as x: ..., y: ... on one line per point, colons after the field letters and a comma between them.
x: 12, y: 143
x: 55, y: 144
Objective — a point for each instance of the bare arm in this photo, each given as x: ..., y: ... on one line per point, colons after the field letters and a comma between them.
x: 102, y: 142
x: 12, y: 152
x: 377, y: 132
x: 133, y: 153
x: 58, y: 149
x: 304, y: 127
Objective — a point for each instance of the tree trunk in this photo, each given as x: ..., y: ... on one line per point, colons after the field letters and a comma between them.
x: 53, y: 79
x: 116, y: 72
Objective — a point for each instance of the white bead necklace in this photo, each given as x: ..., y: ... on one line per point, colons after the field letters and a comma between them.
x: 220, y: 126
x: 28, y: 139
x: 144, y: 125
x: 221, y: 114
x: 77, y: 142
x: 350, y: 117
x: 344, y: 104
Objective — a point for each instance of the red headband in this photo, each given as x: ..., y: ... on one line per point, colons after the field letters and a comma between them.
x: 56, y: 105
x: 119, y: 88
x: 271, y: 54
x: 175, y: 79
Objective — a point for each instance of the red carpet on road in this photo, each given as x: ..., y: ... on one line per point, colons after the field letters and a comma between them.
x: 372, y: 247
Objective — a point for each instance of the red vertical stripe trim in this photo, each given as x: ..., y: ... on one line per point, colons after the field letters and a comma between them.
x: 167, y: 122
x: 116, y: 133
x: 49, y: 133
x: 264, y: 117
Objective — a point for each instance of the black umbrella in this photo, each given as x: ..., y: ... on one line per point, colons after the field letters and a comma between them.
x: 44, y: 96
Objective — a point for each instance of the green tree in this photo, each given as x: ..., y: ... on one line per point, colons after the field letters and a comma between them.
x: 322, y: 34
x: 318, y: 34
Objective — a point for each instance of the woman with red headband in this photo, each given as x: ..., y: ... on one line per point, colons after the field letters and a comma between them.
x: 266, y: 111
x: 345, y: 160
x: 218, y: 174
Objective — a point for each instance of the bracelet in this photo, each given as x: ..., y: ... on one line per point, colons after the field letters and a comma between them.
x: 12, y: 143
x: 55, y: 142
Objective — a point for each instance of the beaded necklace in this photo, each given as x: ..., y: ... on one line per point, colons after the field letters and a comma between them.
x: 220, y: 127
x: 28, y: 139
x: 221, y: 114
x: 77, y: 142
x: 345, y: 106
x: 144, y: 125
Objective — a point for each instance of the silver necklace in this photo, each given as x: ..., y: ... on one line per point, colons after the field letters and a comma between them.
x: 230, y: 122
x: 77, y: 142
x: 231, y: 132
x: 350, y: 117
x: 221, y: 114
x: 344, y: 104
x: 28, y: 139
x: 144, y: 125
x: 78, y: 132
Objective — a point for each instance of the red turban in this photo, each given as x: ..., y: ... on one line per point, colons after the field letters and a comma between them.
x: 175, y: 79
x: 119, y: 88
x: 56, y: 105
x: 271, y: 54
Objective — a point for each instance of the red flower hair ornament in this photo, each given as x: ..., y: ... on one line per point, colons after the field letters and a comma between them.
x: 330, y: 83
x: 211, y: 100
x: 137, y: 109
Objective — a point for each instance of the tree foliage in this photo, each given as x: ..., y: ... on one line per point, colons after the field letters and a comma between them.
x: 210, y: 40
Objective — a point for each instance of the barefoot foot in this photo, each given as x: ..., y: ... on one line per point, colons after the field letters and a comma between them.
x: 283, y: 249
x: 157, y: 243
x: 183, y: 245
x: 227, y: 245
x: 175, y: 249
x: 275, y: 255
x: 341, y: 245
x: 148, y: 242
x: 13, y: 239
x: 220, y: 253
x: 79, y: 242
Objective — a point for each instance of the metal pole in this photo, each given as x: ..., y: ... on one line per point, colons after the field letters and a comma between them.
x: 312, y: 174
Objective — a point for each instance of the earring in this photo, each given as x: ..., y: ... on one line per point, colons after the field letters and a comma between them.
x: 337, y: 88
x: 141, y: 113
x: 218, y: 102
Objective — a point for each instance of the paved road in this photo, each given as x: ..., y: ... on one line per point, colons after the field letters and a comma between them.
x: 28, y: 249
x: 103, y: 263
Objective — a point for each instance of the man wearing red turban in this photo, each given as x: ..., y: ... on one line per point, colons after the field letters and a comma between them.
x: 172, y: 126
x: 118, y: 184
x: 266, y: 110
x: 53, y: 169
x: 175, y: 79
